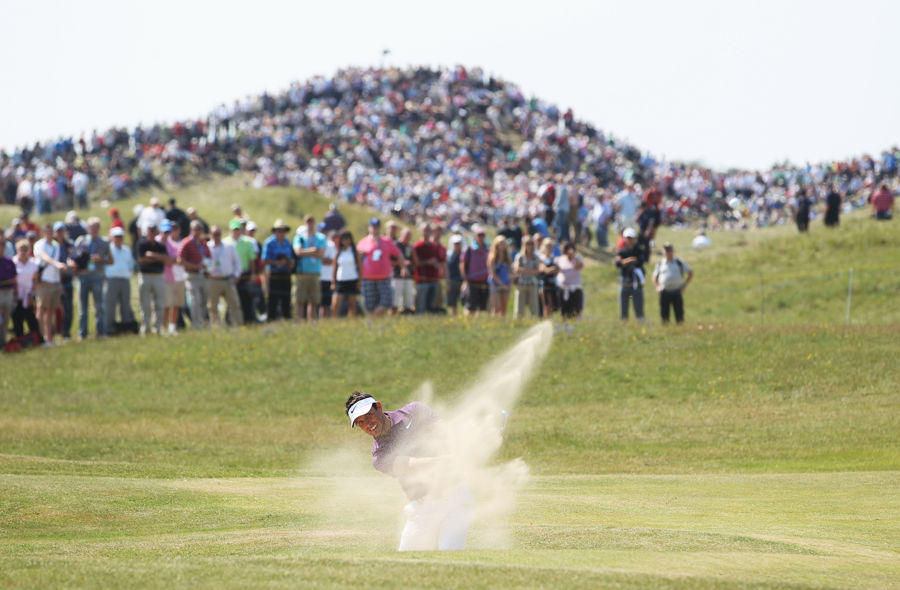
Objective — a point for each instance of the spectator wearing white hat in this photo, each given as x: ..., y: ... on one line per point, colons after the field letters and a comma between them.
x: 118, y: 283
x: 224, y: 274
x: 630, y: 262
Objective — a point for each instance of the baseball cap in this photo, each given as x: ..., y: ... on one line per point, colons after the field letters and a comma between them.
x: 251, y: 225
x: 477, y: 229
x: 456, y: 239
x: 58, y: 226
x: 360, y: 408
x: 117, y: 231
x: 629, y: 233
x: 113, y: 211
x: 234, y: 224
x: 375, y: 221
x: 165, y: 225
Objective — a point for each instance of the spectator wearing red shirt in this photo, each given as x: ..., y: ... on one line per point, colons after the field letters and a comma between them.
x: 426, y: 257
x: 883, y: 203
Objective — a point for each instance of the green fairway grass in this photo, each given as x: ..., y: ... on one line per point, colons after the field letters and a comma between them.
x: 755, y: 446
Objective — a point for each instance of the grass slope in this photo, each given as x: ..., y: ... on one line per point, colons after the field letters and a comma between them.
x: 745, y: 449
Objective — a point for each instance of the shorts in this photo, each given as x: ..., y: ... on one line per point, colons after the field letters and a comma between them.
x: 175, y: 294
x: 478, y: 296
x: 308, y: 289
x: 325, y: 289
x: 347, y: 288
x: 497, y: 289
x: 377, y: 293
x: 48, y: 295
x: 453, y: 289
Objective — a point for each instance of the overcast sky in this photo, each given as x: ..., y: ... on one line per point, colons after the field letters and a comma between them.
x: 738, y: 84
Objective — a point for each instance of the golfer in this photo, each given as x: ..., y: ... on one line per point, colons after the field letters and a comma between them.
x: 411, y: 444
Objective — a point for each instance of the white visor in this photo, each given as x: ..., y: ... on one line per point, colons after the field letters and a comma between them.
x: 360, y: 408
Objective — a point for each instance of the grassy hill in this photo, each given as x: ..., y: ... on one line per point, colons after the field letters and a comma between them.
x: 754, y: 446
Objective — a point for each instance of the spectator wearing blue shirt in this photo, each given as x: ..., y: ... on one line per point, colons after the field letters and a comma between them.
x: 278, y: 256
x: 309, y: 247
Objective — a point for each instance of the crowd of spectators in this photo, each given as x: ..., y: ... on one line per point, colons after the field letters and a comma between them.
x: 451, y: 145
x: 182, y: 268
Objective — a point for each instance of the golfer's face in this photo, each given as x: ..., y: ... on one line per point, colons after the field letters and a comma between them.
x: 371, y: 423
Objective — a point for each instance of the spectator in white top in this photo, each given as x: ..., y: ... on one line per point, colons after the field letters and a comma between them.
x: 224, y: 274
x: 671, y: 276
x: 118, y: 284
x: 150, y: 216
x: 48, y: 291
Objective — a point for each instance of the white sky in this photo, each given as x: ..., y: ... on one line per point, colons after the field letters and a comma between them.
x: 729, y: 83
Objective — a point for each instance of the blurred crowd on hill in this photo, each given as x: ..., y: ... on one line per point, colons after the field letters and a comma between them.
x: 453, y: 145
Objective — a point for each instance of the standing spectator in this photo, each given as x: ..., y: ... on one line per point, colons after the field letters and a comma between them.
x: 547, y: 277
x: 75, y: 228
x: 7, y: 289
x: 91, y: 256
x: 278, y: 256
x: 345, y: 282
x: 80, y: 181
x: 602, y: 215
x: 193, y: 255
x: 569, y: 282
x: 426, y: 265
x: 153, y: 256
x: 626, y: 207
x: 154, y: 214
x: 802, y: 213
x: 26, y: 273
x: 630, y: 261
x: 833, y: 208
x: 526, y: 269
x: 440, y: 303
x: 648, y: 221
x: 116, y: 221
x: 118, y: 284
x: 174, y: 275
x: 179, y: 218
x: 334, y: 221
x: 48, y: 292
x: 259, y: 298
x: 561, y: 208
x: 224, y: 274
x: 309, y: 247
x: 883, y: 203
x: 671, y: 277
x: 247, y: 255
x: 499, y: 275
x: 402, y: 280
x: 192, y: 215
x: 327, y: 271
x: 454, y: 273
x: 376, y: 252
x: 475, y: 273
x: 65, y: 278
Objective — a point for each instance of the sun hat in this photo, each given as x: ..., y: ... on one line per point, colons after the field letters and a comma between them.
x: 629, y: 233
x: 280, y: 224
x: 360, y: 408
